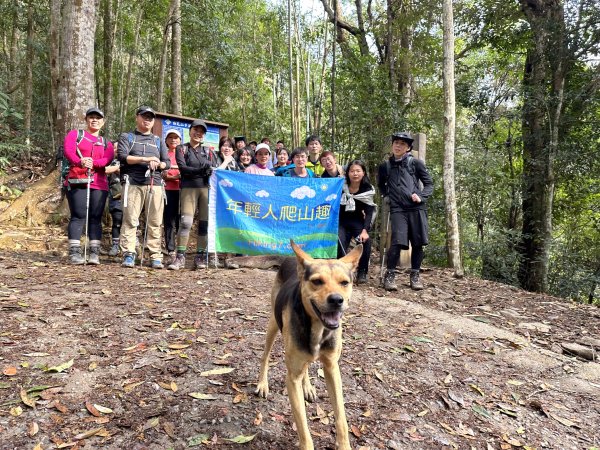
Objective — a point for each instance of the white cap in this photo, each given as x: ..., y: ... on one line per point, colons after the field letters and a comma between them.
x: 173, y: 131
x: 261, y: 147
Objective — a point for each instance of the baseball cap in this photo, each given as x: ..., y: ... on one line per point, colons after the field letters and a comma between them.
x: 199, y: 123
x: 93, y: 110
x: 262, y: 146
x: 145, y: 109
x: 173, y: 131
x: 239, y: 138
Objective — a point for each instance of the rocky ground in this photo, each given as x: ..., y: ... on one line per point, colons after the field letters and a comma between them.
x: 107, y: 357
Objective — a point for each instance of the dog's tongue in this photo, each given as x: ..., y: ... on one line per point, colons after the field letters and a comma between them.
x: 331, y: 319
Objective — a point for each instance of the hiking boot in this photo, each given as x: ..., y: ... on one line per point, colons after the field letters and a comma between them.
x: 94, y: 258
x: 389, y: 283
x: 215, y: 262
x: 200, y: 261
x: 231, y: 265
x: 361, y: 277
x: 178, y: 262
x: 75, y: 255
x: 114, y: 250
x: 156, y: 264
x: 415, y: 282
x: 171, y: 256
x: 128, y: 259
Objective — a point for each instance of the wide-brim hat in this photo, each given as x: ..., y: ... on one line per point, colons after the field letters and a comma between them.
x: 403, y: 136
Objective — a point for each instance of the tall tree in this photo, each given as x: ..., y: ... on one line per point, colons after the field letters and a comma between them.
x: 176, y: 55
x: 543, y: 89
x: 111, y: 9
x: 76, y: 80
x: 452, y: 231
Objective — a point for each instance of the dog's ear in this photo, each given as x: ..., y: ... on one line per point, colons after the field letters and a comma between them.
x: 353, y: 257
x: 301, y: 255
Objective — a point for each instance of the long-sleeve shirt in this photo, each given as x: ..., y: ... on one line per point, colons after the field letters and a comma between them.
x: 195, y: 165
x: 90, y: 146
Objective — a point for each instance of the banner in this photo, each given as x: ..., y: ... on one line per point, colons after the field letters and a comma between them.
x: 257, y: 214
x: 211, y: 139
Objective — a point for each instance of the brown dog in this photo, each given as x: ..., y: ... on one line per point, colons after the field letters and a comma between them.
x: 307, y: 302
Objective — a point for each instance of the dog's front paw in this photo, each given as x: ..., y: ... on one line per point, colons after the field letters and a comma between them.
x: 310, y: 393
x: 262, y: 389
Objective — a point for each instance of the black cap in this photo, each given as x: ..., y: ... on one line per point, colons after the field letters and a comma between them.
x: 199, y: 123
x: 145, y: 109
x: 403, y: 136
x: 239, y: 138
x: 93, y: 110
x: 252, y: 142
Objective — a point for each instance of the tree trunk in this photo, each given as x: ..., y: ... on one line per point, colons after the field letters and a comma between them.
x: 160, y: 91
x: 452, y: 231
x: 176, y: 55
x: 54, y: 48
x: 295, y: 137
x: 28, y: 81
x: 76, y: 81
x: 138, y: 23
x: 543, y: 89
x: 110, y: 31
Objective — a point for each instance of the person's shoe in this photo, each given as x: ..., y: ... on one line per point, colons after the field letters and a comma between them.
x: 215, y: 263
x: 114, y: 250
x: 231, y: 265
x: 128, y: 260
x: 178, y: 262
x: 171, y: 257
x: 94, y: 258
x: 361, y: 277
x: 415, y: 282
x: 389, y: 283
x: 75, y: 255
x: 156, y: 264
x: 200, y: 261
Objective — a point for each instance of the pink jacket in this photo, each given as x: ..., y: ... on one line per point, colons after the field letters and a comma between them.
x: 92, y: 146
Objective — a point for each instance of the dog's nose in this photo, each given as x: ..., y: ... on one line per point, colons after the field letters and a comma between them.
x: 335, y: 300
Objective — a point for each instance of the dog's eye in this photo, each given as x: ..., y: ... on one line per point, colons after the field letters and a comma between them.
x: 345, y: 283
x: 317, y: 282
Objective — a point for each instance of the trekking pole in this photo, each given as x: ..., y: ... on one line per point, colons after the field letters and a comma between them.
x: 87, y: 215
x: 144, y: 242
x: 383, y: 255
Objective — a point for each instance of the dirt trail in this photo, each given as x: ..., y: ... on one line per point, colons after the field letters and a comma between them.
x: 463, y: 364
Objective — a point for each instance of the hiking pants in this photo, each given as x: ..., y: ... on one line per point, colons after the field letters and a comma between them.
x: 77, y: 197
x: 142, y: 198
x: 190, y: 200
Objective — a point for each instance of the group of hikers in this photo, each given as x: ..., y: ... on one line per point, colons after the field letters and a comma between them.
x: 164, y: 184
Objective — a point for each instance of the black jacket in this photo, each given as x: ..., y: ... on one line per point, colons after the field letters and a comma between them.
x: 398, y: 184
x: 195, y: 165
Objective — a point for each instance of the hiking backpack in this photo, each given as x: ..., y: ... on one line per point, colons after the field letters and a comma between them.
x: 63, y: 163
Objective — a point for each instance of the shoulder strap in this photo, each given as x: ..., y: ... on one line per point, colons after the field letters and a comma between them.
x: 157, y: 140
x: 80, y: 136
x: 131, y: 140
x: 411, y: 164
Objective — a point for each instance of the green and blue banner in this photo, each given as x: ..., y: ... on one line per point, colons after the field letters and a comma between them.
x: 257, y: 214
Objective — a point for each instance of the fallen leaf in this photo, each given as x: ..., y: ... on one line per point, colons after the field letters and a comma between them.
x: 38, y: 446
x: 33, y: 429
x: 565, y: 422
x: 131, y: 386
x: 220, y: 371
x: 103, y: 409
x: 515, y: 382
x: 87, y: 434
x: 35, y: 354
x: 178, y: 346
x: 258, y: 419
x: 61, y: 367
x: 195, y: 441
x: 378, y: 375
x: 152, y: 422
x: 448, y: 379
x: 478, y: 389
x: 93, y: 365
x: 321, y: 373
x: 240, y: 398
x: 241, y: 439
x: 169, y: 428
x: 93, y: 411
x: 16, y: 411
x: 26, y: 399
x: 355, y: 431
x: 9, y: 371
x: 511, y: 441
x: 367, y: 413
x: 481, y: 410
x: 201, y: 396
